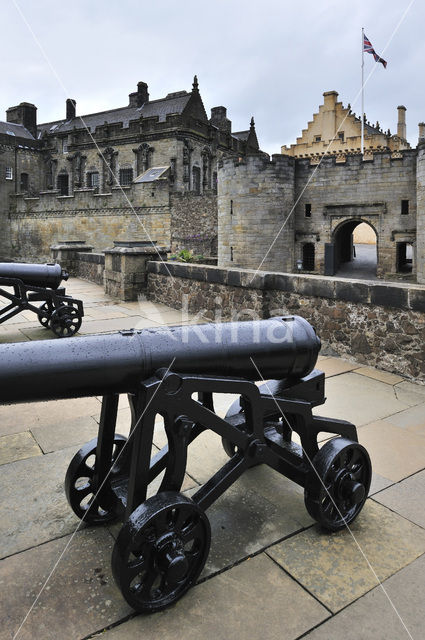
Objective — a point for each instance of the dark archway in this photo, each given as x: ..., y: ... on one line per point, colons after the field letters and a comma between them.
x: 354, y: 259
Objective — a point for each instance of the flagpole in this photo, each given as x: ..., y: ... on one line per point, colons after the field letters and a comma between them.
x: 362, y: 143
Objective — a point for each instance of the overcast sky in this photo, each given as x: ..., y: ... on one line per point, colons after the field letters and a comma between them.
x: 272, y: 59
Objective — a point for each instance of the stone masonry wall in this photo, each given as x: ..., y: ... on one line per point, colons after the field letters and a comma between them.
x: 194, y: 223
x: 91, y: 266
x: 370, y: 190
x: 255, y: 198
x: 376, y: 324
x: 420, y: 240
x: 37, y: 223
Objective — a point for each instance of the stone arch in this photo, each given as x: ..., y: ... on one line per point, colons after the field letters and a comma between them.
x: 354, y: 261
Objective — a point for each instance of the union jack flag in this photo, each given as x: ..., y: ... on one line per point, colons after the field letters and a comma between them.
x: 367, y: 46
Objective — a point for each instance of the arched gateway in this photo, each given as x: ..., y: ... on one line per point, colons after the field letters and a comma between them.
x: 350, y: 257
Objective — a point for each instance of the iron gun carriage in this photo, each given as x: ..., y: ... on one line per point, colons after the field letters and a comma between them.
x: 22, y: 285
x: 174, y: 372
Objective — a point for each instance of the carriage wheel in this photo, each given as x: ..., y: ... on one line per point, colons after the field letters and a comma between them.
x: 65, y: 321
x: 161, y: 551
x: 337, y: 485
x: 79, y: 488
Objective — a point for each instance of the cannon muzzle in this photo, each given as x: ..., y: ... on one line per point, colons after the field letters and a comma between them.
x: 280, y: 347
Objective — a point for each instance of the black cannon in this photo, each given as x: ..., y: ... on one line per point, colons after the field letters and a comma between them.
x: 25, y: 284
x: 173, y: 373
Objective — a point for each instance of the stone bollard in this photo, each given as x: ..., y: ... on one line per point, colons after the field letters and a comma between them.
x: 66, y: 254
x: 126, y: 267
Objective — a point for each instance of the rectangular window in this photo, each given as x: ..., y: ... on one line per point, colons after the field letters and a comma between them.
x: 126, y: 177
x: 341, y: 135
x: 317, y: 138
x: 308, y: 210
x: 231, y: 254
x: 404, y: 207
x: 65, y: 145
x: 93, y: 179
x: 9, y: 173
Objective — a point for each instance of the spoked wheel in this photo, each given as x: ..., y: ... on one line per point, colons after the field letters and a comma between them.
x: 161, y: 551
x: 79, y: 477
x: 336, y: 489
x: 44, y: 314
x: 65, y: 321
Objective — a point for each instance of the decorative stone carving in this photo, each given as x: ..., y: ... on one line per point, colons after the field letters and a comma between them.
x: 143, y: 157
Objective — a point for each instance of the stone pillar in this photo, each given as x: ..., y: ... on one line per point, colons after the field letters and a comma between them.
x: 66, y: 254
x: 126, y: 267
x: 420, y: 214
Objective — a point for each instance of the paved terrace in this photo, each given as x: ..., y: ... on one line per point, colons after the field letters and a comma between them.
x: 271, y: 574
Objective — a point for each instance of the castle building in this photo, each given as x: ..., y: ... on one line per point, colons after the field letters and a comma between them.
x: 145, y: 171
x: 298, y: 211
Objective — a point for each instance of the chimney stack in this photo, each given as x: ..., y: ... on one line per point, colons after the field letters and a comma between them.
x: 421, y: 132
x: 401, y: 125
x: 26, y: 114
x: 139, y: 97
x: 219, y: 119
x: 70, y: 109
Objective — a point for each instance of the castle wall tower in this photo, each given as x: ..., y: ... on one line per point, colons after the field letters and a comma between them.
x: 255, y: 200
x: 420, y: 211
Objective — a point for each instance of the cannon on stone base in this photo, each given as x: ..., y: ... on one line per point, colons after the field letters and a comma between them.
x: 174, y: 372
x: 22, y: 285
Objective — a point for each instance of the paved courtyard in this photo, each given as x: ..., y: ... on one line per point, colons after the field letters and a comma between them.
x: 272, y: 573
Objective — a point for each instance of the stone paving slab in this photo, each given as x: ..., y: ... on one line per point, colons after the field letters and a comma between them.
x: 411, y: 418
x: 335, y: 366
x: 395, y: 453
x: 253, y: 600
x: 80, y: 596
x: 406, y: 498
x: 252, y: 515
x: 332, y: 566
x: 22, y: 417
x: 13, y: 336
x: 375, y: 616
x: 18, y: 446
x: 359, y: 399
x: 382, y: 376
x: 67, y: 433
x: 33, y: 508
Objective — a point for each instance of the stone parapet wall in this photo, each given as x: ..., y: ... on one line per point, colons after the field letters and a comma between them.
x: 378, y: 324
x: 90, y: 266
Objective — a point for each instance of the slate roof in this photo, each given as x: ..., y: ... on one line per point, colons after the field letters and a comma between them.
x: 161, y: 108
x: 17, y: 130
x: 241, y: 135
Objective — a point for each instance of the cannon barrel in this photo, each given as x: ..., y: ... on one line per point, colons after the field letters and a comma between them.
x: 280, y: 347
x: 35, y: 275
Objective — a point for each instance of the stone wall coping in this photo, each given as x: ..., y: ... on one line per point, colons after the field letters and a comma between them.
x: 97, y: 258
x: 138, y: 250
x: 71, y: 245
x: 385, y: 294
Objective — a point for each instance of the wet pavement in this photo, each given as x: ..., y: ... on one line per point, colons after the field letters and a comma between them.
x: 272, y: 573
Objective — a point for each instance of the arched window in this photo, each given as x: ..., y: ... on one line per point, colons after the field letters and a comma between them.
x: 308, y: 256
